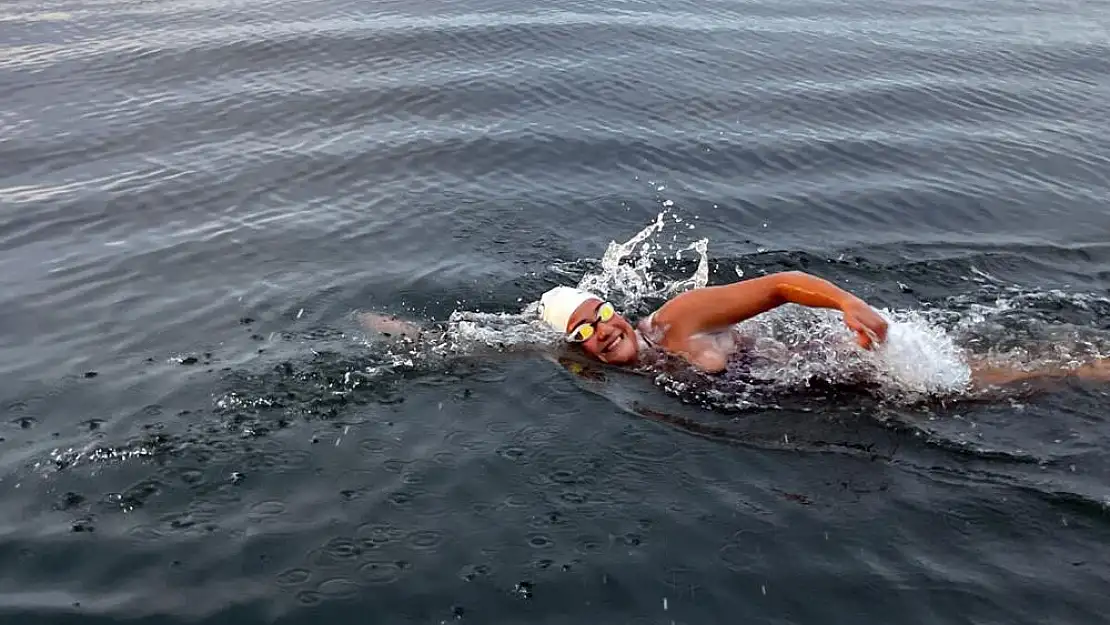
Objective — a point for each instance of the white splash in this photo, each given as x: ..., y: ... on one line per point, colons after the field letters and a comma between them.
x: 625, y: 275
x: 919, y: 357
x: 466, y: 329
x: 787, y: 348
x: 793, y: 345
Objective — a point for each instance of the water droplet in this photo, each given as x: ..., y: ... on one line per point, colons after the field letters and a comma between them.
x: 425, y: 539
x: 293, y: 577
x: 540, y: 541
x: 308, y: 597
x: 380, y: 572
x: 338, y: 588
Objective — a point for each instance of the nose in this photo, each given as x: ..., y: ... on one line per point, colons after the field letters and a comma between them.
x: 604, y: 330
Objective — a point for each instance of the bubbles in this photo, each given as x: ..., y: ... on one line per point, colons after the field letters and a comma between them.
x: 293, y: 577
x: 380, y: 572
x: 338, y: 588
x: 266, y: 509
x: 425, y: 539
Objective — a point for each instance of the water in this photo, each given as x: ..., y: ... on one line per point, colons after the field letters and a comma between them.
x: 197, y: 199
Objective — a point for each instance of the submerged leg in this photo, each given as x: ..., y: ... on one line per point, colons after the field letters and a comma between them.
x: 388, y: 325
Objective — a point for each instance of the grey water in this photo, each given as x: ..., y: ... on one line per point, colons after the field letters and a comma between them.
x: 198, y: 198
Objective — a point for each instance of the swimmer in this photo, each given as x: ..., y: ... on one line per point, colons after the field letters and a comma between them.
x: 694, y: 325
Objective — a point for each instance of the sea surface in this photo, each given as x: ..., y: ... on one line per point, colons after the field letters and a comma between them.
x: 199, y: 199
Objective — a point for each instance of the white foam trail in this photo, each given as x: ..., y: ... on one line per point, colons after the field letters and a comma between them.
x: 467, y: 329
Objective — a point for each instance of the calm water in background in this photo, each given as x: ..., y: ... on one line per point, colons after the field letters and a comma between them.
x: 195, y: 196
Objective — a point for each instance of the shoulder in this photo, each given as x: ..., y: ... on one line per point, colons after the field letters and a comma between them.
x: 649, y: 330
x: 676, y: 315
x: 659, y: 330
x: 698, y: 352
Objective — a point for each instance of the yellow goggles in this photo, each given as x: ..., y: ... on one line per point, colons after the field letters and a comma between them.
x: 586, y: 329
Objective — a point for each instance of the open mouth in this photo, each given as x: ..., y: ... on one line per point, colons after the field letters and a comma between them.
x: 613, y: 344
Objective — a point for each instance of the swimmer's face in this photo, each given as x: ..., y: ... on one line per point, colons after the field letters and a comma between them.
x: 613, y: 341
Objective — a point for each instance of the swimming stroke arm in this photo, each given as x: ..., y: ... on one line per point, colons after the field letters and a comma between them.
x: 713, y: 308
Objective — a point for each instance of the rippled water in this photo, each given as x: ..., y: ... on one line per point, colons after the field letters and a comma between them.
x: 197, y: 197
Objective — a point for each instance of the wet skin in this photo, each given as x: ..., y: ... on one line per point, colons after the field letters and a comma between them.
x: 684, y: 325
x: 615, y: 340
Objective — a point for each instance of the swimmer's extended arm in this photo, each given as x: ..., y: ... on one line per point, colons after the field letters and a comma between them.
x: 716, y: 307
x: 985, y: 375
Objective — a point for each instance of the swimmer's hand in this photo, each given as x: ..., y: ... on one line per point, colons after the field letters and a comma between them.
x: 389, y: 325
x: 869, y: 327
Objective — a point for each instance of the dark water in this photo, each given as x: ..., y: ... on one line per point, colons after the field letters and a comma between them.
x: 195, y: 196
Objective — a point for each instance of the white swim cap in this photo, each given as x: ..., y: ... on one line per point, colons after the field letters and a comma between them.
x: 559, y: 304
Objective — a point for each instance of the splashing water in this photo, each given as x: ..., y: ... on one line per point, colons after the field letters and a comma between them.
x: 794, y: 345
x: 920, y: 357
x: 506, y: 331
x: 625, y: 276
x: 786, y: 349
x: 790, y: 346
x: 629, y: 284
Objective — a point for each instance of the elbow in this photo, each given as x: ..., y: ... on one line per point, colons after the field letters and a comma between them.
x: 793, y: 274
x: 797, y: 279
x: 786, y: 283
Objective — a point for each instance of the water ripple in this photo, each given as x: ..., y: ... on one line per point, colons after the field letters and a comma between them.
x: 232, y: 179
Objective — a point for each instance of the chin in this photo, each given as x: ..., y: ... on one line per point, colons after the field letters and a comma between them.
x: 625, y: 359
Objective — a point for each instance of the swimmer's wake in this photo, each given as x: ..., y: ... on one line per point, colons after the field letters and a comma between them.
x: 783, y: 350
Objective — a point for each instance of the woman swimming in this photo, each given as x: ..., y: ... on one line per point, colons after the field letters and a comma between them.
x: 695, y: 326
